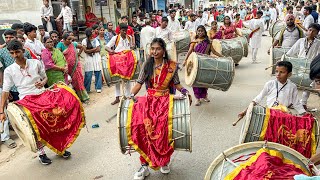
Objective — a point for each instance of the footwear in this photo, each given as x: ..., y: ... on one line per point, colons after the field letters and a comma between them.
x: 44, y: 159
x: 66, y: 154
x: 198, y: 102
x: 236, y: 64
x: 116, y: 101
x: 206, y: 99
x: 141, y: 173
x: 165, y: 169
x: 10, y: 143
x: 98, y: 90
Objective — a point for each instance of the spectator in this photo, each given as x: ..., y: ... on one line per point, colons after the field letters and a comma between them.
x: 66, y: 13
x: 46, y: 12
x: 137, y: 29
x: 42, y: 33
x: 91, y: 19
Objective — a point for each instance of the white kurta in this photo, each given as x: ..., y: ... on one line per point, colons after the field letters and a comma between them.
x: 273, y: 14
x: 190, y: 26
x: 298, y: 49
x: 287, y: 96
x: 146, y: 36
x: 164, y: 34
x: 174, y: 26
x: 255, y: 41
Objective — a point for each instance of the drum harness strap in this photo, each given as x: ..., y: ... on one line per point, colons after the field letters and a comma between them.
x: 276, y: 103
x: 286, y: 29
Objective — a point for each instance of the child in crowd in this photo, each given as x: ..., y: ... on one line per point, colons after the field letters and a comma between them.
x: 280, y: 91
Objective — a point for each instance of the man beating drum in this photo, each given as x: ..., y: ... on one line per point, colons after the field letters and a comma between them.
x: 122, y: 42
x: 29, y: 76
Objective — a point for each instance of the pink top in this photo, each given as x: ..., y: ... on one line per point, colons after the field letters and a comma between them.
x: 228, y: 32
x: 239, y: 24
x: 154, y: 24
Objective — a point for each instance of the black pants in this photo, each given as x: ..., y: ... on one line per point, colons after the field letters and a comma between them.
x: 267, y: 22
x: 44, y: 22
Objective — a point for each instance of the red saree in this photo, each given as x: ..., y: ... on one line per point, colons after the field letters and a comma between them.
x: 149, y: 123
x: 75, y: 71
x: 88, y: 17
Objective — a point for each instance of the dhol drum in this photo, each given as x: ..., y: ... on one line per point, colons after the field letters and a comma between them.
x: 22, y: 126
x: 245, y: 32
x: 252, y: 126
x: 230, y: 48
x: 116, y: 79
x: 300, y: 72
x: 181, y: 130
x: 210, y: 72
x: 275, y: 56
x: 276, y: 27
x: 220, y: 168
x: 171, y: 48
x: 182, y: 40
x: 245, y: 45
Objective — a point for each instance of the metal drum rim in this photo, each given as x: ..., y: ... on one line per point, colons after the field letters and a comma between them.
x: 244, y: 146
x: 233, y: 73
x: 246, y: 124
x: 119, y: 125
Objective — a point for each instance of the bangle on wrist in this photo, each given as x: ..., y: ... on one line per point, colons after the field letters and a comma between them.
x: 1, y: 112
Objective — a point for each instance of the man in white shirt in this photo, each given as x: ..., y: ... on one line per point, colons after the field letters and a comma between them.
x: 121, y: 42
x: 46, y: 13
x: 67, y: 15
x: 273, y: 14
x: 309, y: 48
x: 200, y: 20
x: 31, y: 42
x: 191, y: 24
x: 147, y: 34
x: 42, y: 33
x: 163, y: 31
x: 228, y: 12
x: 307, y: 20
x: 173, y: 24
x: 257, y: 27
x: 289, y: 35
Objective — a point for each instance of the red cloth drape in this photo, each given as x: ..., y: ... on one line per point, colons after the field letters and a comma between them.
x: 266, y: 165
x: 88, y: 17
x: 149, y: 128
x: 292, y: 131
x: 122, y: 64
x: 56, y: 116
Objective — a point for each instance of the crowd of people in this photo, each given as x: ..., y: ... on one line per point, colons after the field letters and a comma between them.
x: 59, y: 54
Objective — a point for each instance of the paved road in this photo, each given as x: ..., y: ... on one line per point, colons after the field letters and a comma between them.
x: 96, y: 154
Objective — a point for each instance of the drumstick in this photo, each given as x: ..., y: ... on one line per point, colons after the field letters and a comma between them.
x: 235, y: 123
x: 269, y: 67
x: 108, y: 120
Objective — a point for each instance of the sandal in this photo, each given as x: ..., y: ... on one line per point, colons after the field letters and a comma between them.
x: 206, y: 99
x: 10, y: 143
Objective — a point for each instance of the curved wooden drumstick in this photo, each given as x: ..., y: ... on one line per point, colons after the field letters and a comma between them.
x: 269, y: 67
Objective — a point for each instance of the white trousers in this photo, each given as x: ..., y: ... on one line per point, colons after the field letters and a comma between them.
x: 306, y: 95
x: 254, y: 54
x: 127, y: 89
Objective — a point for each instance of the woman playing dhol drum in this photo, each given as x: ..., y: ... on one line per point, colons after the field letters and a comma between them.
x: 150, y: 115
x: 228, y: 29
x: 201, y: 45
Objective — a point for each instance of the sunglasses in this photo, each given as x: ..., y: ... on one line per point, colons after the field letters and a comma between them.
x: 50, y: 42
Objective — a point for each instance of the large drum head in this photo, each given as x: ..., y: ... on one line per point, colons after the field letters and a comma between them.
x: 22, y: 126
x: 191, y: 69
x: 218, y: 169
x: 216, y: 44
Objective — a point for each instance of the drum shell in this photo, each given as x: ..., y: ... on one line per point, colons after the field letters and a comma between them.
x: 214, y: 170
x: 276, y: 27
x: 182, y: 40
x: 116, y: 79
x: 300, y: 72
x: 245, y: 32
x: 181, y: 125
x: 229, y: 48
x: 276, y: 54
x: 252, y: 127
x: 216, y: 73
x: 245, y: 45
x: 22, y: 126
